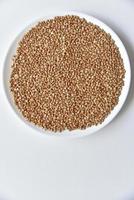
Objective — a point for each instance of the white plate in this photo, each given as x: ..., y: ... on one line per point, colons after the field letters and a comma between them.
x: 122, y: 98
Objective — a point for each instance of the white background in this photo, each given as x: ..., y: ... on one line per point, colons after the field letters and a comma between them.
x: 38, y: 167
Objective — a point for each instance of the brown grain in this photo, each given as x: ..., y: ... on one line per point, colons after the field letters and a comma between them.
x: 66, y: 74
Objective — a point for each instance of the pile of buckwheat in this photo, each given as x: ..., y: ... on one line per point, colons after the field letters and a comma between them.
x: 67, y: 74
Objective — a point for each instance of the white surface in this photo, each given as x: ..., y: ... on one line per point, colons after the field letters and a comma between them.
x: 97, y: 167
x: 75, y: 133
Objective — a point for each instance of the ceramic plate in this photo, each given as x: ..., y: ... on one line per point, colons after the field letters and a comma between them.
x: 122, y: 98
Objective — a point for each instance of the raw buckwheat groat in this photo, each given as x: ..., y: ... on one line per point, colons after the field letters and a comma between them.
x: 67, y: 74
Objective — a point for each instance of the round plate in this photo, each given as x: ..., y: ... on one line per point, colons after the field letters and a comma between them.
x: 122, y: 98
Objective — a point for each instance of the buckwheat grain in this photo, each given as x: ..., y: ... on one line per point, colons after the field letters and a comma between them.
x: 67, y: 74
